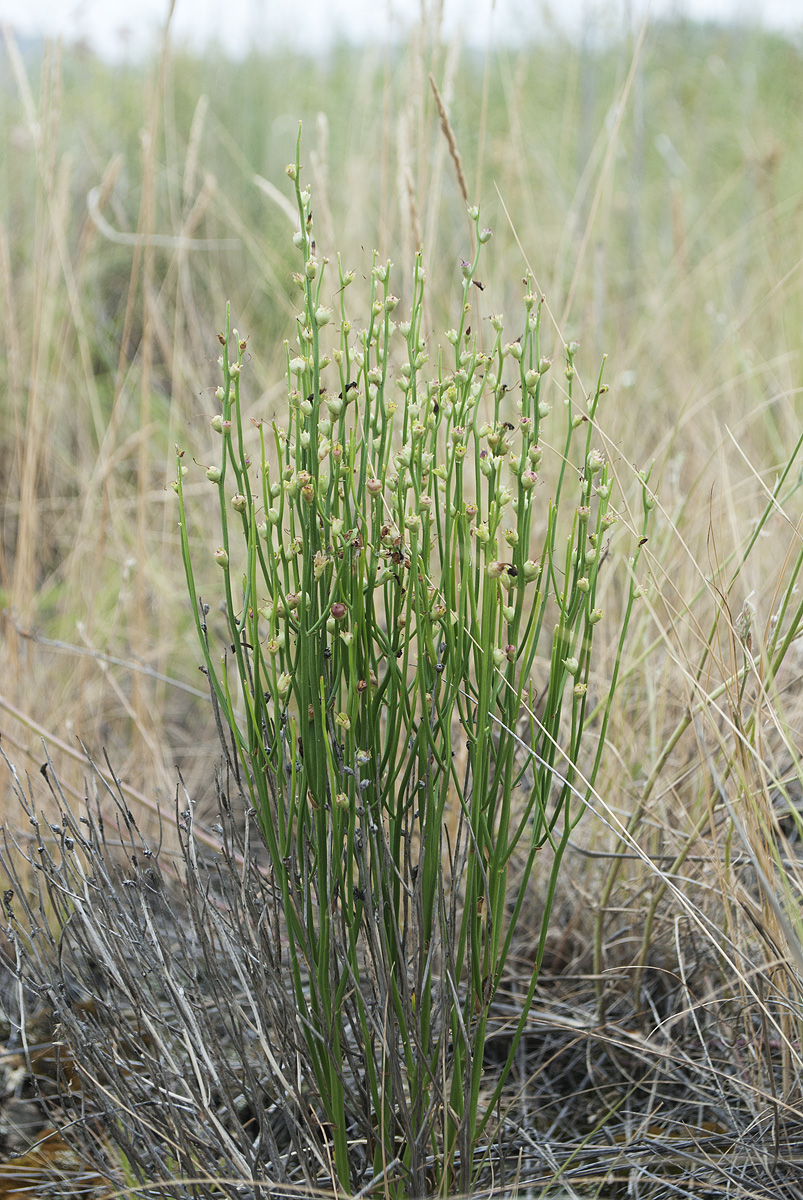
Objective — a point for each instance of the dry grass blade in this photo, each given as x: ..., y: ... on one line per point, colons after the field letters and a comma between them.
x: 451, y: 140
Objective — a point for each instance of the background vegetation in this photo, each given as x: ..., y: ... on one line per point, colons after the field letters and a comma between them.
x: 652, y: 184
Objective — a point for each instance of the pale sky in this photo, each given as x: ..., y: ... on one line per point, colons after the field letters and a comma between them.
x: 127, y: 26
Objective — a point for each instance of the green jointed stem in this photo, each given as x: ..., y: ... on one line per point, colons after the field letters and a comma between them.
x: 404, y: 566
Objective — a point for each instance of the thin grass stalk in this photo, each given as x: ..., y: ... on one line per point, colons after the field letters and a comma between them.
x: 686, y: 720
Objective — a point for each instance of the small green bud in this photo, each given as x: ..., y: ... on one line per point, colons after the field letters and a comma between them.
x: 213, y: 474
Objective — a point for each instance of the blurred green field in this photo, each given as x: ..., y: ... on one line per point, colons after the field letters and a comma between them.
x: 654, y: 187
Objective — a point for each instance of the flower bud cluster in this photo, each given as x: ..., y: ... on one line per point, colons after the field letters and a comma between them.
x: 384, y: 459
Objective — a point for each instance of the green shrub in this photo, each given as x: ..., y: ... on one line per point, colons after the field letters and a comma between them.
x: 396, y: 559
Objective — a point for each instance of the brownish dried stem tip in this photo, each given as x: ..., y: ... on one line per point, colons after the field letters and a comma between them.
x: 451, y: 141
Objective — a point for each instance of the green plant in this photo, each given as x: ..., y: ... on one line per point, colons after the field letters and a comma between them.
x: 392, y: 567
